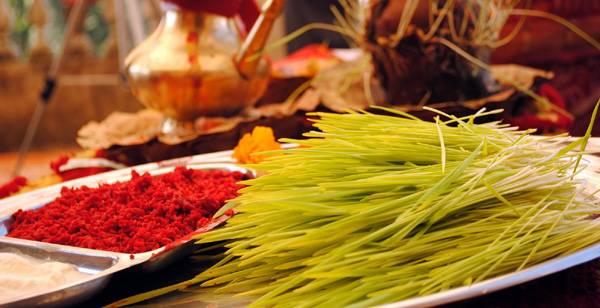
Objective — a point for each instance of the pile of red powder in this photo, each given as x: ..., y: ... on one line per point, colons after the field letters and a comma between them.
x: 139, y: 215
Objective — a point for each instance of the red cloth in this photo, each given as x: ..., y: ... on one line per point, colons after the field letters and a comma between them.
x: 79, y: 172
x: 82, y: 172
x: 12, y: 186
x: 247, y: 10
x: 549, y: 92
x: 545, y: 120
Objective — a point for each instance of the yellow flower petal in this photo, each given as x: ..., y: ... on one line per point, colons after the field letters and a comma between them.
x: 260, y: 140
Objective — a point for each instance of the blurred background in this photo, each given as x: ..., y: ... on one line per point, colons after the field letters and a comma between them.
x: 90, y: 87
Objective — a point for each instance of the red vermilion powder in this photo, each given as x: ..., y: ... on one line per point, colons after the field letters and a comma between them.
x: 136, y: 216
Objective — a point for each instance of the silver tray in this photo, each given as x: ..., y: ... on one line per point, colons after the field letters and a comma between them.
x: 102, y: 264
x: 202, y: 297
x: 99, y: 265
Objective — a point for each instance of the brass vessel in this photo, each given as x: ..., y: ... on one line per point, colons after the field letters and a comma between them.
x: 199, y: 64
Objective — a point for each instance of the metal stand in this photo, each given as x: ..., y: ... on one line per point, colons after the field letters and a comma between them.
x: 49, y: 86
x: 74, y: 18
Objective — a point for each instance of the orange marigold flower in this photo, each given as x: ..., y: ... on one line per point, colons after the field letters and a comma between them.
x: 260, y: 140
